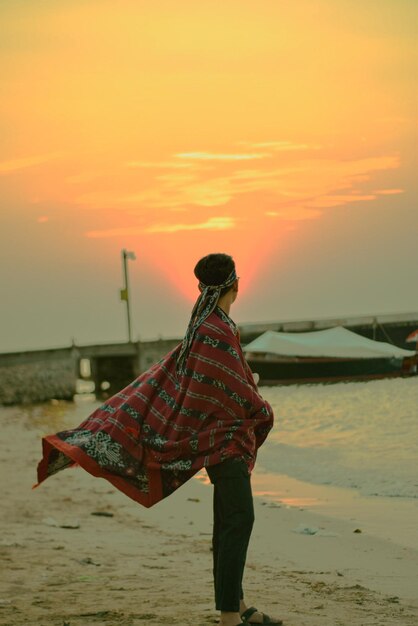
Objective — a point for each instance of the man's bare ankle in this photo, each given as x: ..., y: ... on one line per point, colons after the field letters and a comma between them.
x: 230, y: 618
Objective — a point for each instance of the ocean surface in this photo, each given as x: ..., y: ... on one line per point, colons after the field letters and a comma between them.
x: 361, y: 435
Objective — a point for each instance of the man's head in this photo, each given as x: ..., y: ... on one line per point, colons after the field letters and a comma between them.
x: 218, y: 284
x: 214, y: 269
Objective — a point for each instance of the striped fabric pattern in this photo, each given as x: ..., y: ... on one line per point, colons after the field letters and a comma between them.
x: 204, y: 305
x: 154, y: 435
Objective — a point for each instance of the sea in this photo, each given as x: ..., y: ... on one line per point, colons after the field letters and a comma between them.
x: 355, y: 435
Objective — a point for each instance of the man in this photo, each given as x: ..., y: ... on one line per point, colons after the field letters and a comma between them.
x: 198, y: 407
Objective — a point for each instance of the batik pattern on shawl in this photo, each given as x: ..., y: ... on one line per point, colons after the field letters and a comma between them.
x: 154, y: 435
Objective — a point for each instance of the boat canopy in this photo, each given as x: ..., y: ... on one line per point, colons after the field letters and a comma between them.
x: 333, y: 342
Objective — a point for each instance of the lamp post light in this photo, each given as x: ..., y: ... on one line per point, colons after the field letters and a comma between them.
x: 124, y: 293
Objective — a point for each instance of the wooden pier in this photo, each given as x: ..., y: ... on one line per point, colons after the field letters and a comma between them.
x: 40, y: 375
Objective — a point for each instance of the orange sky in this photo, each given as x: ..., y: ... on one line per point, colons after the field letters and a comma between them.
x: 283, y: 133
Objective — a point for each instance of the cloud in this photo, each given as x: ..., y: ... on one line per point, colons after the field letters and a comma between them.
x: 330, y: 201
x: 388, y: 192
x: 14, y: 165
x: 310, y: 183
x: 315, y: 183
x: 278, y: 146
x: 177, y: 178
x: 213, y: 223
x: 208, y: 156
x: 295, y: 214
x: 114, y: 232
x: 157, y: 164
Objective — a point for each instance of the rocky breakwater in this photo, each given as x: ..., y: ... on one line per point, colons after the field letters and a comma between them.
x: 25, y: 379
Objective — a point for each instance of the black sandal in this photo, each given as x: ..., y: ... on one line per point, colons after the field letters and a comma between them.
x: 266, y: 619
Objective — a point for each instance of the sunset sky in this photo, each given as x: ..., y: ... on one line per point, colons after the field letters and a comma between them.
x: 281, y: 132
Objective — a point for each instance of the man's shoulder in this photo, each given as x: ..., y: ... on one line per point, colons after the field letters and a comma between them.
x: 221, y: 324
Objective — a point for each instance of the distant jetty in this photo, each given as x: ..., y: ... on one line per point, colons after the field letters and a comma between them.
x: 35, y: 376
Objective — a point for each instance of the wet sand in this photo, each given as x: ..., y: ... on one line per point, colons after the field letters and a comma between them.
x: 136, y: 566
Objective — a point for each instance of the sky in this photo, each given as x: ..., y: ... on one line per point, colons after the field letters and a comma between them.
x: 281, y: 132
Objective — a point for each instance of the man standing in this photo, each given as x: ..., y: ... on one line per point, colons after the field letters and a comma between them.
x: 197, y: 407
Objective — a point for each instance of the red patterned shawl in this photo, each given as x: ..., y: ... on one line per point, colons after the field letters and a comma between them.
x: 155, y: 434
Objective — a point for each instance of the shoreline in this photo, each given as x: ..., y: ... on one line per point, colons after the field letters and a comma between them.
x: 379, y: 516
x: 283, y: 532
x: 135, y: 565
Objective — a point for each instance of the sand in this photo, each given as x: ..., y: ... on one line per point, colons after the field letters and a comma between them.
x: 153, y: 566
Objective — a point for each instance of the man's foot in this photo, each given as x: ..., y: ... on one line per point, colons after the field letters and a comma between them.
x: 252, y: 616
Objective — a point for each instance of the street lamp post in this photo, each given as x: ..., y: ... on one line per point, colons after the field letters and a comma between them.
x: 124, y: 293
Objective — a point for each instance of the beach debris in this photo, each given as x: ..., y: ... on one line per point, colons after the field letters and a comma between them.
x: 312, y: 530
x: 393, y: 599
x: 50, y: 521
x: 74, y: 524
x: 10, y: 544
x: 96, y: 614
x: 102, y: 513
x: 4, y: 602
x: 340, y: 574
x: 193, y: 499
x: 305, y: 530
x: 89, y: 561
x: 357, y: 531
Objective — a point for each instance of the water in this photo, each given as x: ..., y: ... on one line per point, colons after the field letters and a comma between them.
x: 356, y: 435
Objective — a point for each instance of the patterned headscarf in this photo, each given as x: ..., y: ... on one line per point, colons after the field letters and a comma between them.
x: 203, y: 307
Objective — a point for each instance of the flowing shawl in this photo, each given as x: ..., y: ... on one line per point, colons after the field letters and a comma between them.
x: 155, y: 434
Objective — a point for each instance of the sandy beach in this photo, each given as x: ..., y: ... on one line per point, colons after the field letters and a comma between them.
x: 75, y: 551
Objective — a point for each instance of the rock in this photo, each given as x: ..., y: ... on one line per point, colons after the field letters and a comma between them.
x: 358, y: 530
x: 102, y: 513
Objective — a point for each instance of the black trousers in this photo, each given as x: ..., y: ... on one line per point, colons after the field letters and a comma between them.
x: 233, y: 519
